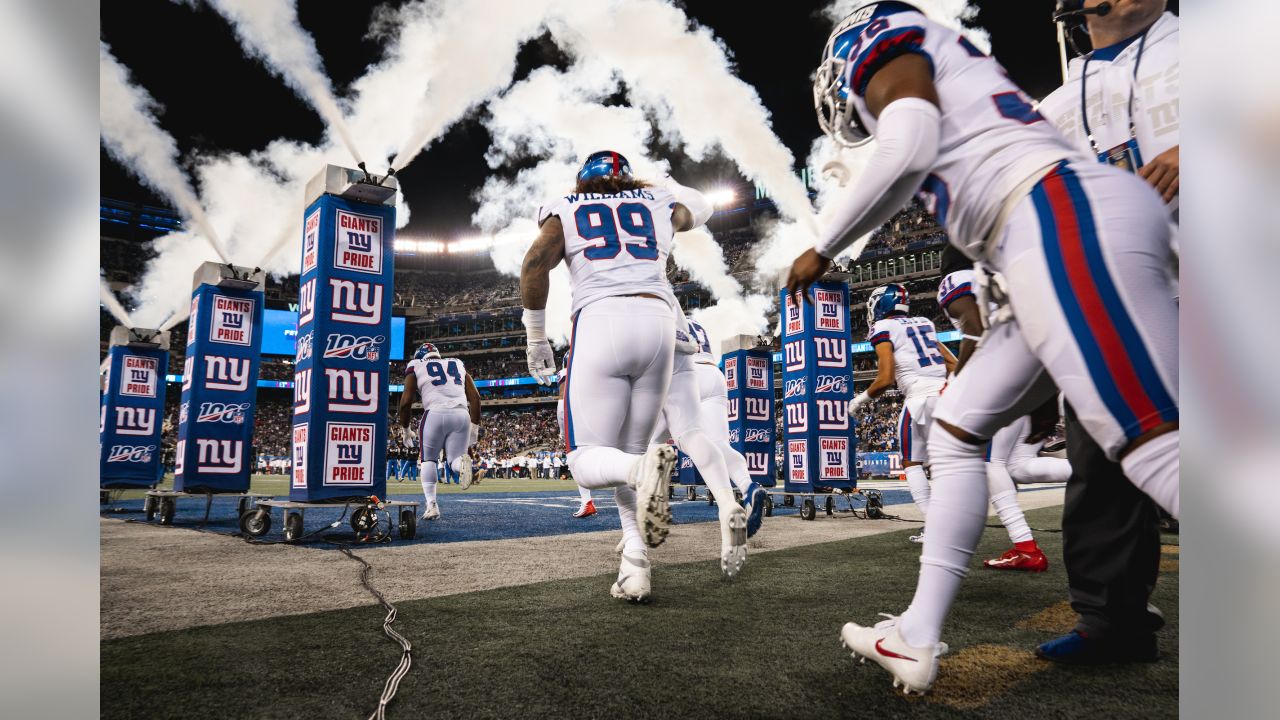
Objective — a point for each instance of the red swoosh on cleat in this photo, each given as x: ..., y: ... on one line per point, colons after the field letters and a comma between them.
x: 890, y: 653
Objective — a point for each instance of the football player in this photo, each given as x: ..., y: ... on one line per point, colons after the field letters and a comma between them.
x: 450, y: 418
x: 614, y: 231
x: 1088, y: 281
x: 909, y: 356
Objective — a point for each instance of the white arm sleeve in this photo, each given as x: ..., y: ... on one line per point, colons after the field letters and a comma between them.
x: 695, y: 202
x: 907, y: 134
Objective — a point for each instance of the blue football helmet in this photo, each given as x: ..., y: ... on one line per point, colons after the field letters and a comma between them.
x: 426, y: 350
x: 605, y: 163
x: 887, y: 300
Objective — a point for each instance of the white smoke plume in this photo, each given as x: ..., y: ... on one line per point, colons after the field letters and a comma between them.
x: 270, y: 31
x: 113, y: 306
x: 132, y: 136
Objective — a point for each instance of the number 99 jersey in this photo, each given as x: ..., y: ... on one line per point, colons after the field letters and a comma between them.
x: 918, y: 367
x: 615, y: 244
x: 441, y: 382
x: 992, y: 139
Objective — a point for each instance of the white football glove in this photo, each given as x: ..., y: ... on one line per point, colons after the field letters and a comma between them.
x: 858, y: 401
x: 542, y: 361
x: 474, y: 436
x: 411, y: 436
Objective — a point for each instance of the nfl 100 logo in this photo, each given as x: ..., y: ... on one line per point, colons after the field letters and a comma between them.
x: 795, y: 316
x: 232, y: 320
x: 348, y: 453
x: 300, y: 455
x: 757, y: 377
x: 798, y: 461
x: 138, y: 378
x: 731, y: 373
x: 835, y: 458
x: 310, y: 242
x: 359, y: 243
x: 829, y: 306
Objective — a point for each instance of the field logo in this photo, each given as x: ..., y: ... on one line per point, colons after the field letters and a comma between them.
x: 307, y: 302
x: 300, y: 455
x: 756, y: 373
x: 794, y: 388
x: 348, y: 453
x: 139, y: 376
x: 131, y: 453
x: 794, y: 352
x: 219, y: 457
x: 832, y: 384
x: 797, y: 417
x: 310, y: 241
x: 353, y: 391
x: 757, y: 463
x: 795, y: 316
x: 232, y: 320
x: 359, y: 243
x: 302, y: 392
x: 757, y: 435
x: 835, y: 458
x: 798, y: 461
x: 731, y: 373
x: 733, y: 409
x: 830, y: 310
x: 355, y: 302
x: 226, y: 373
x: 833, y: 415
x: 831, y: 352
x: 222, y: 412
x: 354, y: 347
x: 135, y: 420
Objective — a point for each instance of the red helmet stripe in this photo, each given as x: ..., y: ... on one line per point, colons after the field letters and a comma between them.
x: 616, y: 169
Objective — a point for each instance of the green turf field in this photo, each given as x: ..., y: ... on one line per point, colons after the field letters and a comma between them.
x: 763, y: 646
x: 279, y: 485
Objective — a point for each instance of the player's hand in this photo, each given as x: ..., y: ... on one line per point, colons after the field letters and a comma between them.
x: 805, y: 271
x: 474, y: 436
x: 542, y: 362
x: 411, y: 436
x: 1162, y: 173
x: 858, y: 401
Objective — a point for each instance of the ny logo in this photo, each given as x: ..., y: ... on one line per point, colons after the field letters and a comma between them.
x: 733, y: 409
x: 794, y: 351
x: 835, y: 457
x: 226, y: 373
x: 797, y: 417
x: 233, y: 320
x: 833, y: 415
x: 831, y: 352
x: 135, y: 421
x: 356, y: 302
x: 302, y: 392
x: 350, y: 453
x: 757, y: 463
x: 353, y: 391
x: 359, y: 242
x: 757, y: 408
x: 219, y: 456
x: 307, y: 302
x: 187, y: 366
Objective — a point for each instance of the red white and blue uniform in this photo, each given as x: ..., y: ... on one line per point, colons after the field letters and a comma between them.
x: 446, y: 418
x: 919, y: 371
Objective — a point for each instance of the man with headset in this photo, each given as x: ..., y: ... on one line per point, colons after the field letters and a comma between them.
x: 1120, y: 102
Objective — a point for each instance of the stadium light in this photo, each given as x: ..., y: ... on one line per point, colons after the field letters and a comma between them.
x: 720, y: 197
x: 471, y: 244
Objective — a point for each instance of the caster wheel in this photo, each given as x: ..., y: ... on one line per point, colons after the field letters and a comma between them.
x: 292, y: 526
x: 788, y: 501
x: 830, y: 507
x: 691, y: 493
x: 671, y: 492
x: 104, y: 497
x: 242, y: 507
x: 711, y: 500
x: 255, y: 523
x: 808, y: 510
x: 768, y: 505
x: 408, y: 525
x: 363, y: 519
x: 168, y: 506
x: 149, y: 507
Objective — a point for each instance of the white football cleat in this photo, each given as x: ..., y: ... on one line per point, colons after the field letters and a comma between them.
x: 651, y: 478
x: 432, y: 512
x: 913, y: 669
x: 632, y: 584
x: 622, y: 545
x: 465, y: 474
x: 917, y: 539
x: 733, y: 540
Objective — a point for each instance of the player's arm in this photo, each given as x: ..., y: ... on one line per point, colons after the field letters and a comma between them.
x: 884, y: 377
x: 473, y: 400
x: 964, y: 311
x: 535, y: 283
x: 902, y: 97
x: 947, y: 358
x: 692, y: 208
x: 407, y: 396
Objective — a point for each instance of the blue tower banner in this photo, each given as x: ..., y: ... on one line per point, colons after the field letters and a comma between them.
x: 132, y: 413
x: 343, y: 347
x: 686, y: 472
x: 817, y: 387
x: 748, y: 376
x: 219, y: 383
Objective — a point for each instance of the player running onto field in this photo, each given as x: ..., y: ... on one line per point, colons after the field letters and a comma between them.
x: 450, y: 418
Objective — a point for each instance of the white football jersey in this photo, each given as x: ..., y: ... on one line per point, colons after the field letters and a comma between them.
x: 615, y: 244
x: 918, y: 366
x: 441, y: 382
x: 961, y: 283
x: 992, y: 139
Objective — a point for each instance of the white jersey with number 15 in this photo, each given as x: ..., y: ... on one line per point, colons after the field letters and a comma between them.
x: 918, y: 367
